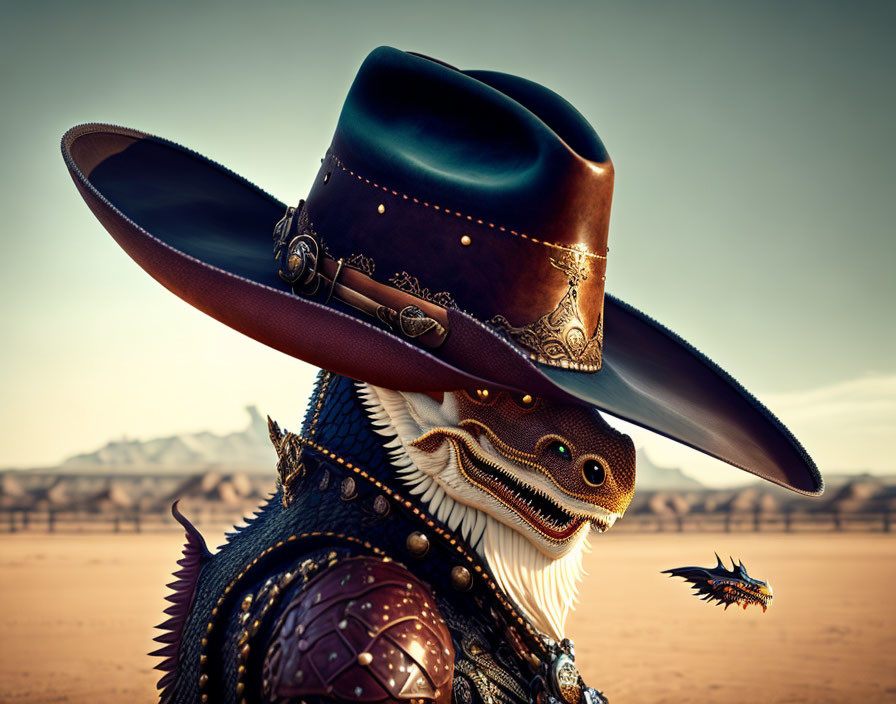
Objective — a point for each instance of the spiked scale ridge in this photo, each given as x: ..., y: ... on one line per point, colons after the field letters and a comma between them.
x: 195, y: 555
x: 724, y: 586
x: 543, y: 585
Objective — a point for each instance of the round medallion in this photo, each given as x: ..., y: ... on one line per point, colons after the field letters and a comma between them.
x: 461, y: 579
x: 348, y: 489
x: 417, y: 544
x: 565, y: 678
x: 381, y: 505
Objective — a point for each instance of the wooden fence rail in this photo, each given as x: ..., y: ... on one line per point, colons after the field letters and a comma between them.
x: 18, y: 521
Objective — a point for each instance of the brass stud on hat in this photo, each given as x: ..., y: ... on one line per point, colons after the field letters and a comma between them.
x: 466, y: 241
x: 461, y: 579
x: 417, y: 544
x: 381, y: 209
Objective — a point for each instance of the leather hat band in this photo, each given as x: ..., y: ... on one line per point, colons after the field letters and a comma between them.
x: 305, y: 264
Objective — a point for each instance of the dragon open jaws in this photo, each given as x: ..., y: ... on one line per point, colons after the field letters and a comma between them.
x: 523, y: 480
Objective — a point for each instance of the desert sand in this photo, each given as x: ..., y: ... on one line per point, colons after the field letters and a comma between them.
x: 79, y: 612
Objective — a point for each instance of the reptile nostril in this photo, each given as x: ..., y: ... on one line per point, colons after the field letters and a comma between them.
x: 594, y: 471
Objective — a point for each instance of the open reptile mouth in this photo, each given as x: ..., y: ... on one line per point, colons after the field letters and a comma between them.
x: 734, y: 593
x: 535, y: 507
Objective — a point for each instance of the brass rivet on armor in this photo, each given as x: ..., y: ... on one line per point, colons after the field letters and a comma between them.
x: 327, y: 177
x: 461, y: 579
x: 244, y: 653
x: 348, y: 489
x: 381, y: 505
x: 343, y: 624
x: 240, y: 687
x: 527, y: 400
x: 203, y: 698
x: 202, y: 660
x: 247, y: 602
x: 365, y: 658
x: 417, y: 544
x: 203, y: 681
x: 466, y: 241
x: 482, y: 394
x: 381, y: 209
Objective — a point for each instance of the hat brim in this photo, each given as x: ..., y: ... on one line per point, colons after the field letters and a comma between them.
x: 205, y: 234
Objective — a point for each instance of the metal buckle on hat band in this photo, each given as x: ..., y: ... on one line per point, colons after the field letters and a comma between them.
x: 308, y: 268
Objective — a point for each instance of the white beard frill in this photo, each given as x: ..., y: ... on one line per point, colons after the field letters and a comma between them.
x: 544, y: 589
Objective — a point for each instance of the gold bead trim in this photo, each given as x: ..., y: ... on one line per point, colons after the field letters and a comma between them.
x: 269, y: 592
x: 312, y: 430
x: 458, y: 214
x: 447, y: 536
x: 451, y: 539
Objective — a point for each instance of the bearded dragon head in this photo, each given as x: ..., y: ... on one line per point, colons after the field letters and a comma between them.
x: 523, y: 479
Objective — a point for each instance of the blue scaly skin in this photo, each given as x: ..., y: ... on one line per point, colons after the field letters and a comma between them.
x: 336, y: 513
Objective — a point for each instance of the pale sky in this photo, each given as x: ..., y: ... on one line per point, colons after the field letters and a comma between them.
x: 753, y: 213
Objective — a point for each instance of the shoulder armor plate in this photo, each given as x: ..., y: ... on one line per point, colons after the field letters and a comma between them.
x: 366, y: 630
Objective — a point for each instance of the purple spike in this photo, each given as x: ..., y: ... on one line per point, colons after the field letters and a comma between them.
x: 166, y: 666
x: 195, y: 555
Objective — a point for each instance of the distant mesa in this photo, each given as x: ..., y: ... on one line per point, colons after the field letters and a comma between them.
x: 250, y: 450
x: 651, y: 477
x: 247, y: 449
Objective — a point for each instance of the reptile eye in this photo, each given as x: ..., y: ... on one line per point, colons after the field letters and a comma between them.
x: 594, y: 472
x: 560, y: 450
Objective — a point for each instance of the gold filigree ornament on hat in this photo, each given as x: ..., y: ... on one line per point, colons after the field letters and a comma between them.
x: 559, y: 338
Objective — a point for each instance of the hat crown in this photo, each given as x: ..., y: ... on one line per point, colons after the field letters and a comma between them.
x: 461, y: 184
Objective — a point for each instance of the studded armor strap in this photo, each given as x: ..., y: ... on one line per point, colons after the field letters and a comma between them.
x: 366, y: 630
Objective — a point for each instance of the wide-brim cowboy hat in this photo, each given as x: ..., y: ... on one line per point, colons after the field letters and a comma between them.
x: 455, y: 237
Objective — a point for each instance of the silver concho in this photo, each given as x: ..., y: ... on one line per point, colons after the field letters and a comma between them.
x: 565, y: 679
x: 299, y: 264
